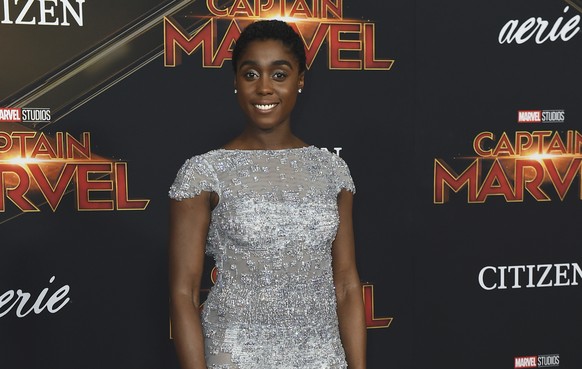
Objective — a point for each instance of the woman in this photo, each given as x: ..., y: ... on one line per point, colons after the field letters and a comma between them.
x: 276, y: 214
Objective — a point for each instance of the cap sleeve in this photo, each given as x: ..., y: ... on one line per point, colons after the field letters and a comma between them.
x: 195, y: 175
x: 343, y: 177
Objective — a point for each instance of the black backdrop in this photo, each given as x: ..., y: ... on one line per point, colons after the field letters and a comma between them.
x: 451, y: 80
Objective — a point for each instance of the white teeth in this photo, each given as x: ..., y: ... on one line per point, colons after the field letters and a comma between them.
x: 265, y: 106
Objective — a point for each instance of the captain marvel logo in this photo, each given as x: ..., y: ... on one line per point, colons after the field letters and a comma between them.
x: 351, y: 44
x: 538, y: 165
x: 37, y: 169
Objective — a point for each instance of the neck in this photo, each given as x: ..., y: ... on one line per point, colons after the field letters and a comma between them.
x: 251, y: 139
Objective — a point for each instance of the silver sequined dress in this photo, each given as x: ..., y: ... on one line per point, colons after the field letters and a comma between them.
x: 273, y: 305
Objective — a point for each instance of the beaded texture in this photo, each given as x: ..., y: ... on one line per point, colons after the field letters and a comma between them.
x: 273, y: 305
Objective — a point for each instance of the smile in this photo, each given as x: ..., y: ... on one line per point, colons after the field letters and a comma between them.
x: 265, y: 107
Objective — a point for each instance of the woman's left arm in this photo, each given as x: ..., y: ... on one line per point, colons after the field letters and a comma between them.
x: 348, y: 289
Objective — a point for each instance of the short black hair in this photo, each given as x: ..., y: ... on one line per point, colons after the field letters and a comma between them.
x: 270, y: 29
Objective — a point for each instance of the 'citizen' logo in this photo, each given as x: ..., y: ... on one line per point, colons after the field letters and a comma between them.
x: 529, y: 276
x: 42, y: 12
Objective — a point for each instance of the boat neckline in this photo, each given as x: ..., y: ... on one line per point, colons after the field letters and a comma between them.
x: 268, y: 150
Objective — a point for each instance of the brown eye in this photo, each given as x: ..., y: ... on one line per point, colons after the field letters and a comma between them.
x: 250, y: 75
x: 279, y: 76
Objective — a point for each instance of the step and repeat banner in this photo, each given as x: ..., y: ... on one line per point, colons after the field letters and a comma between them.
x: 460, y: 125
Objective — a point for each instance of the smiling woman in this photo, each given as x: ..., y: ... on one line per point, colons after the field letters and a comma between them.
x: 269, y: 73
x: 268, y: 79
x: 276, y: 215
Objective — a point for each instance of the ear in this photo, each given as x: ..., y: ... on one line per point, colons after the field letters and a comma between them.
x: 301, y: 82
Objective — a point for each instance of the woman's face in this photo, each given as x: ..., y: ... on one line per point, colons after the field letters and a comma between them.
x: 267, y: 80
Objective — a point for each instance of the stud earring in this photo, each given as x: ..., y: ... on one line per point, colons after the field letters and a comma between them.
x: 299, y: 90
x: 235, y: 91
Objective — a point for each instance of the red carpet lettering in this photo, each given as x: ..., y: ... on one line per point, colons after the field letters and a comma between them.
x: 33, y: 163
x: 535, y: 164
x: 325, y: 24
x: 371, y: 320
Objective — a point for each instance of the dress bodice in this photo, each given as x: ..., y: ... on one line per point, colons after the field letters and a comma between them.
x: 271, y: 236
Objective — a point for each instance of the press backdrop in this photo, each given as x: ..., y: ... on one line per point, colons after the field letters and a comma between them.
x: 459, y: 123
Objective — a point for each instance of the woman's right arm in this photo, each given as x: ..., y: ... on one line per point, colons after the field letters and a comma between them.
x: 189, y: 221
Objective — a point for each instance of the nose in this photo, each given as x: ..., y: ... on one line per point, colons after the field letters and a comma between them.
x: 264, y: 86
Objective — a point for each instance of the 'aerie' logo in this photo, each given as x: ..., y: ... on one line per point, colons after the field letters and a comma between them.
x: 25, y: 303
x: 540, y: 30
